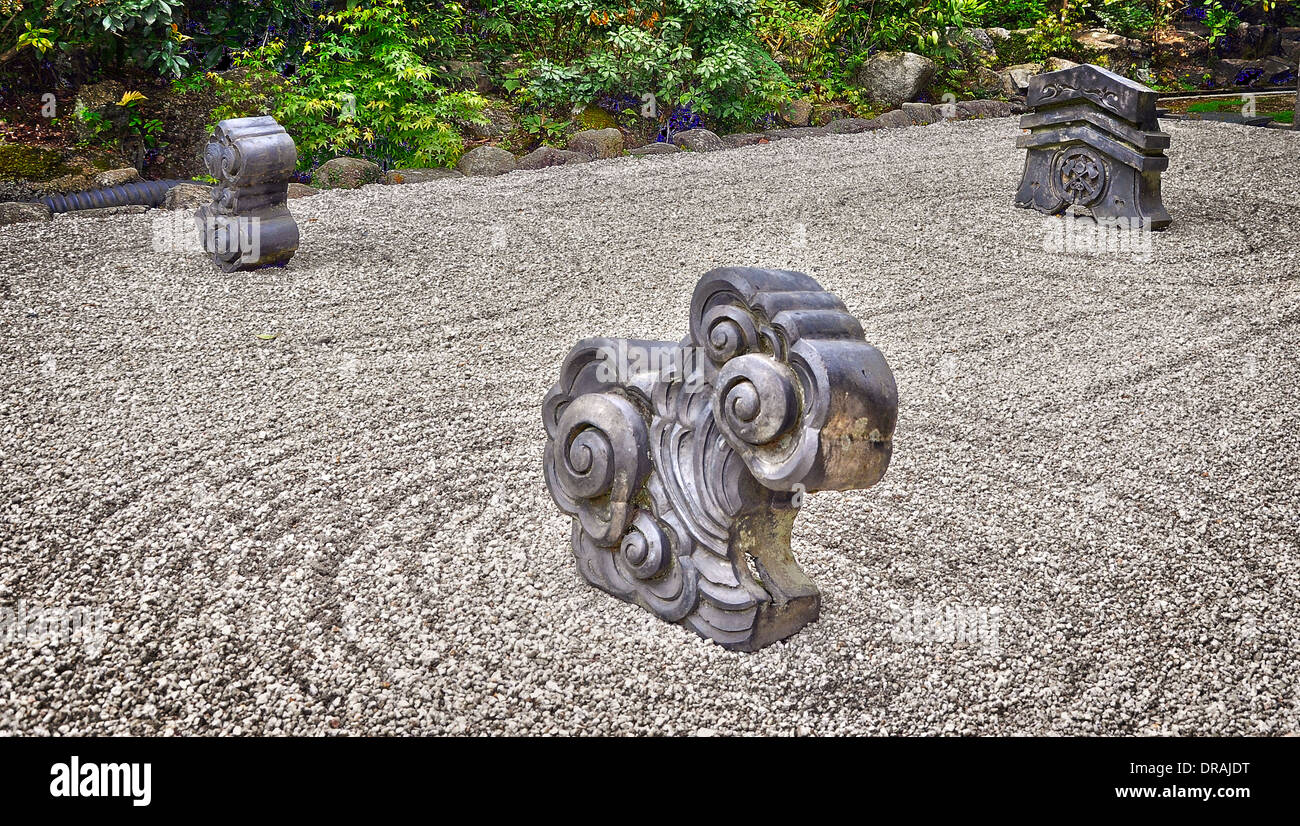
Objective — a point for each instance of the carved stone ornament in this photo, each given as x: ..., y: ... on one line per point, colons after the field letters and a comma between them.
x: 684, y: 464
x: 248, y: 224
x: 1094, y: 143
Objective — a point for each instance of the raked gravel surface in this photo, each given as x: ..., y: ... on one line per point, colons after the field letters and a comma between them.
x: 344, y: 529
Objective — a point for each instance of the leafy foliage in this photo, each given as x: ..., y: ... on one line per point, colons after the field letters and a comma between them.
x: 366, y: 89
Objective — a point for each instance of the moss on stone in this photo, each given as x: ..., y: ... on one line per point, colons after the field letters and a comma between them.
x: 593, y: 117
x: 30, y: 163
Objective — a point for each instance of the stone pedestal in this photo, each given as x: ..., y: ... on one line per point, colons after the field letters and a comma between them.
x: 1094, y: 143
x: 248, y: 225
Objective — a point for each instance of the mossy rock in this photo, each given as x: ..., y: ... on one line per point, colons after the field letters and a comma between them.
x: 30, y: 163
x: 1016, y: 48
x: 346, y: 173
x: 593, y: 117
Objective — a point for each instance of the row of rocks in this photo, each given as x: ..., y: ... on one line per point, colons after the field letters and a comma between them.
x: 597, y: 144
x: 582, y: 147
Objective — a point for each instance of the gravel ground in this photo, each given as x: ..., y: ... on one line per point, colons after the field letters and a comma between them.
x: 344, y: 529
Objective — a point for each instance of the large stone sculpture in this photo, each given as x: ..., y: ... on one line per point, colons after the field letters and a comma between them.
x: 248, y: 224
x: 1093, y: 143
x: 683, y: 464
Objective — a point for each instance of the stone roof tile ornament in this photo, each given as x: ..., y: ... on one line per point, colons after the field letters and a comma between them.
x: 248, y: 224
x: 684, y: 464
x: 1094, y: 143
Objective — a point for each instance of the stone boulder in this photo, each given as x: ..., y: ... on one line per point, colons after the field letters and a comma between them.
x: 117, y: 177
x: 346, y: 173
x: 971, y: 109
x: 18, y: 212
x: 890, y: 78
x: 851, y: 126
x: 794, y: 132
x: 1056, y: 64
x: 1015, y: 79
x: 921, y: 114
x: 597, y: 143
x: 396, y: 177
x: 892, y: 119
x: 187, y: 196
x: 698, y: 140
x: 486, y: 161
x: 796, y: 112
x: 1102, y: 42
x: 659, y: 148
x: 302, y: 191
x: 739, y: 139
x: 544, y: 156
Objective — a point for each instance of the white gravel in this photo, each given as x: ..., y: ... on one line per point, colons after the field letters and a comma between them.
x: 345, y: 529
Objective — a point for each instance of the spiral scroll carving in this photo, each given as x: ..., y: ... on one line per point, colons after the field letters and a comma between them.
x: 676, y: 484
x: 248, y: 224
x: 599, y: 462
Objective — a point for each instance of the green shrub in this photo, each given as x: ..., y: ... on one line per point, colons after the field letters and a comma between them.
x: 699, y: 54
x: 144, y: 33
x: 367, y: 89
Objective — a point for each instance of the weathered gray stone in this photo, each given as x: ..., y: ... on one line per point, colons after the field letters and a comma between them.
x: 796, y: 112
x: 187, y: 196
x: 921, y: 114
x: 597, y: 143
x: 1094, y: 143
x: 346, y: 173
x: 117, y: 177
x: 1056, y: 64
x: 544, y: 156
x: 892, y: 119
x: 683, y: 503
x: 248, y: 224
x: 486, y: 161
x: 19, y: 212
x: 396, y: 177
x: 658, y: 148
x: 968, y: 109
x: 851, y: 126
x: 894, y: 77
x: 301, y: 191
x: 698, y: 140
x: 946, y: 111
x: 1015, y: 79
x: 739, y: 139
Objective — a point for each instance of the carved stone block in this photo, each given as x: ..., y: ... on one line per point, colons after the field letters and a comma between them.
x: 248, y: 225
x: 1094, y: 143
x: 684, y: 464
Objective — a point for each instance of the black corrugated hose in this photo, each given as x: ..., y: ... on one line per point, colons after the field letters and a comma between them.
x: 136, y: 193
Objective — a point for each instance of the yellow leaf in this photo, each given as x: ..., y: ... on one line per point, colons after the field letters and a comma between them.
x: 130, y: 97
